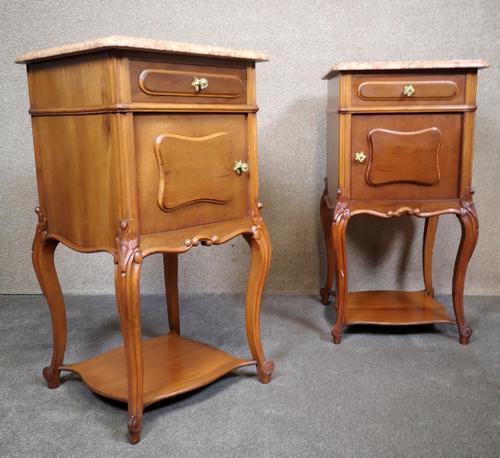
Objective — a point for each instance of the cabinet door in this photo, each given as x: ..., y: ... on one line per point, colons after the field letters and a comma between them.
x: 405, y: 156
x: 185, y: 169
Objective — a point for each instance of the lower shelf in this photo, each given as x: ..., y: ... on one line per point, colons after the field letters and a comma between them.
x: 394, y: 308
x: 172, y: 365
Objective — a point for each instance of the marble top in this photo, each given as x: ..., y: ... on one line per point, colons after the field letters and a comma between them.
x: 405, y: 65
x: 142, y: 44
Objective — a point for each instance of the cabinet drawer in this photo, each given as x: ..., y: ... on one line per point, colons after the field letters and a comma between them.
x: 408, y: 90
x: 405, y: 156
x: 166, y: 82
x: 185, y: 169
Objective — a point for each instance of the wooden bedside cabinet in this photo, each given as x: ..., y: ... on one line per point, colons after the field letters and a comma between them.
x: 143, y: 147
x: 400, y: 138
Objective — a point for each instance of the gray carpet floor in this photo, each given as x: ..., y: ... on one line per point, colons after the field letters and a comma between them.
x: 383, y: 392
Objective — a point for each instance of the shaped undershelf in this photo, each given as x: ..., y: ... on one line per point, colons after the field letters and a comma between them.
x: 172, y: 365
x: 394, y: 308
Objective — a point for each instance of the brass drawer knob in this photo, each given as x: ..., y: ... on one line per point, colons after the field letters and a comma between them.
x: 409, y: 90
x: 360, y: 157
x: 199, y: 84
x: 240, y: 167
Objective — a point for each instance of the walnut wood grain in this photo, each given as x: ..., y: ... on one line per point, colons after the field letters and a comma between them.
x: 260, y: 246
x: 338, y: 240
x: 386, y: 90
x: 197, y: 152
x: 128, y: 263
x: 431, y: 224
x: 171, y: 267
x: 132, y: 161
x: 184, y: 239
x: 419, y: 150
x: 326, y: 222
x: 78, y: 150
x: 394, y: 308
x: 409, y: 157
x: 415, y: 207
x: 183, y: 160
x: 171, y: 82
x: 470, y: 233
x: 390, y: 155
x: 43, y: 262
x: 146, y: 107
x: 172, y: 365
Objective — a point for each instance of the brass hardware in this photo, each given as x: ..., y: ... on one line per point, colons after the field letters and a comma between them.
x: 409, y: 90
x: 199, y: 84
x: 240, y: 167
x: 360, y: 157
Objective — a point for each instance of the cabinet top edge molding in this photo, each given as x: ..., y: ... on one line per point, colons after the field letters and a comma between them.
x: 405, y: 65
x: 141, y: 44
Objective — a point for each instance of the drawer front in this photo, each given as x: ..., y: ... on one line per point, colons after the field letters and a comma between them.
x: 165, y: 82
x: 408, y: 90
x: 185, y: 169
x: 405, y: 156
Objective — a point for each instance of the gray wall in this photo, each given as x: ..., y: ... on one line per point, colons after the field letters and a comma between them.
x: 303, y: 39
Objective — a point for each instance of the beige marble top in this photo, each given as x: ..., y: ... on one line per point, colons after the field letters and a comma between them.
x: 405, y: 65
x: 142, y: 44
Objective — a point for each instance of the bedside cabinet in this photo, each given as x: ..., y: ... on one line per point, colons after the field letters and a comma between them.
x: 144, y: 147
x: 400, y: 140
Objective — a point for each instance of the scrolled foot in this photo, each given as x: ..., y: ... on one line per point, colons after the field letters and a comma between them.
x: 337, y: 335
x: 134, y: 430
x: 264, y: 371
x: 52, y: 377
x: 464, y: 334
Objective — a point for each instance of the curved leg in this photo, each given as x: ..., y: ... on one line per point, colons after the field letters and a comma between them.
x: 430, y: 229
x: 470, y: 232
x: 326, y: 222
x: 170, y: 267
x: 128, y: 262
x: 260, y: 246
x: 43, y: 262
x: 338, y: 233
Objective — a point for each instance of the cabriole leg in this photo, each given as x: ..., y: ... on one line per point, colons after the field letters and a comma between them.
x: 43, y: 262
x: 128, y: 264
x: 338, y: 235
x: 470, y: 232
x: 326, y: 222
x: 430, y: 229
x: 170, y: 267
x: 260, y: 246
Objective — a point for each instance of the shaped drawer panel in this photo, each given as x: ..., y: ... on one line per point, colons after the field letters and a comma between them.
x: 170, y: 82
x: 408, y: 90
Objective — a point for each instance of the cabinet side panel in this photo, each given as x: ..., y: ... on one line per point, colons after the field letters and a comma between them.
x: 77, y: 178
x: 332, y: 136
x: 468, y: 135
x: 74, y: 83
x: 252, y: 138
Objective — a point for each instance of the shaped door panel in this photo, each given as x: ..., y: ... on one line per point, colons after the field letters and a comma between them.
x: 404, y: 157
x: 185, y: 169
x: 193, y: 169
x: 408, y: 156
